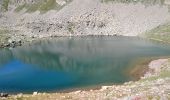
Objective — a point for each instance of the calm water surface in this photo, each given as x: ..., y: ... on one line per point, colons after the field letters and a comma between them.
x: 65, y: 63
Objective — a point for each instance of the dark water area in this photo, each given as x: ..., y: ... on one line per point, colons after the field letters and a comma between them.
x: 68, y: 63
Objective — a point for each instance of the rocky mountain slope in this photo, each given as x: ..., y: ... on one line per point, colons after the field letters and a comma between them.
x: 42, y: 18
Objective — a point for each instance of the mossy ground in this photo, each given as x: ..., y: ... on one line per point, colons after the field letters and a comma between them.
x: 5, y: 5
x: 160, y: 33
x: 42, y: 6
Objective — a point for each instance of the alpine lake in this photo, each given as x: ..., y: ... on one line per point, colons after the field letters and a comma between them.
x: 77, y: 62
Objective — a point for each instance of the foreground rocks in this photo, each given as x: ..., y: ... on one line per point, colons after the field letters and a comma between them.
x: 3, y: 95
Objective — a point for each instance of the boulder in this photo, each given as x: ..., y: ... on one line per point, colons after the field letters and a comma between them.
x: 4, y: 94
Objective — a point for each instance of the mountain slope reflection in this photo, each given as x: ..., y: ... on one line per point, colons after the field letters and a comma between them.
x: 83, y: 60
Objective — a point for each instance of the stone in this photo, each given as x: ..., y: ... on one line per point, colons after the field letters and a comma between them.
x: 35, y: 93
x: 4, y: 94
x: 20, y: 95
x: 77, y: 92
x: 11, y: 41
x: 105, y: 88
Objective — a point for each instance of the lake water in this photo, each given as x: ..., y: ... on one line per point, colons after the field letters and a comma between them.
x: 68, y: 63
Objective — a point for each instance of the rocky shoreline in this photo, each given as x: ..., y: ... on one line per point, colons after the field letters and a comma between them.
x: 15, y: 40
x: 155, y: 84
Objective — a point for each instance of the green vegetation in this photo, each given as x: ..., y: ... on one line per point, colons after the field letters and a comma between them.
x: 20, y: 7
x: 43, y: 6
x: 50, y: 4
x: 160, y: 33
x: 33, y: 7
x: 163, y: 74
x: 5, y: 5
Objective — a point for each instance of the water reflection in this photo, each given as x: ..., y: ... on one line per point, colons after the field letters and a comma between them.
x: 85, y: 61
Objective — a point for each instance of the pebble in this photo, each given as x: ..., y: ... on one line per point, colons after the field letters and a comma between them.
x: 20, y: 95
x: 35, y: 93
x: 77, y: 92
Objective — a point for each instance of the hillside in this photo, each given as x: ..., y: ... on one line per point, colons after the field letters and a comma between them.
x: 42, y: 18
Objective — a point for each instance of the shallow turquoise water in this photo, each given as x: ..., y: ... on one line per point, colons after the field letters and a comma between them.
x: 65, y: 63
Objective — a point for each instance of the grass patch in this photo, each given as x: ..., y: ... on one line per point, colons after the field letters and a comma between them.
x: 20, y: 7
x: 43, y: 6
x: 160, y: 33
x: 33, y: 7
x: 50, y: 4
x: 161, y: 29
x: 163, y: 74
x: 5, y: 5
